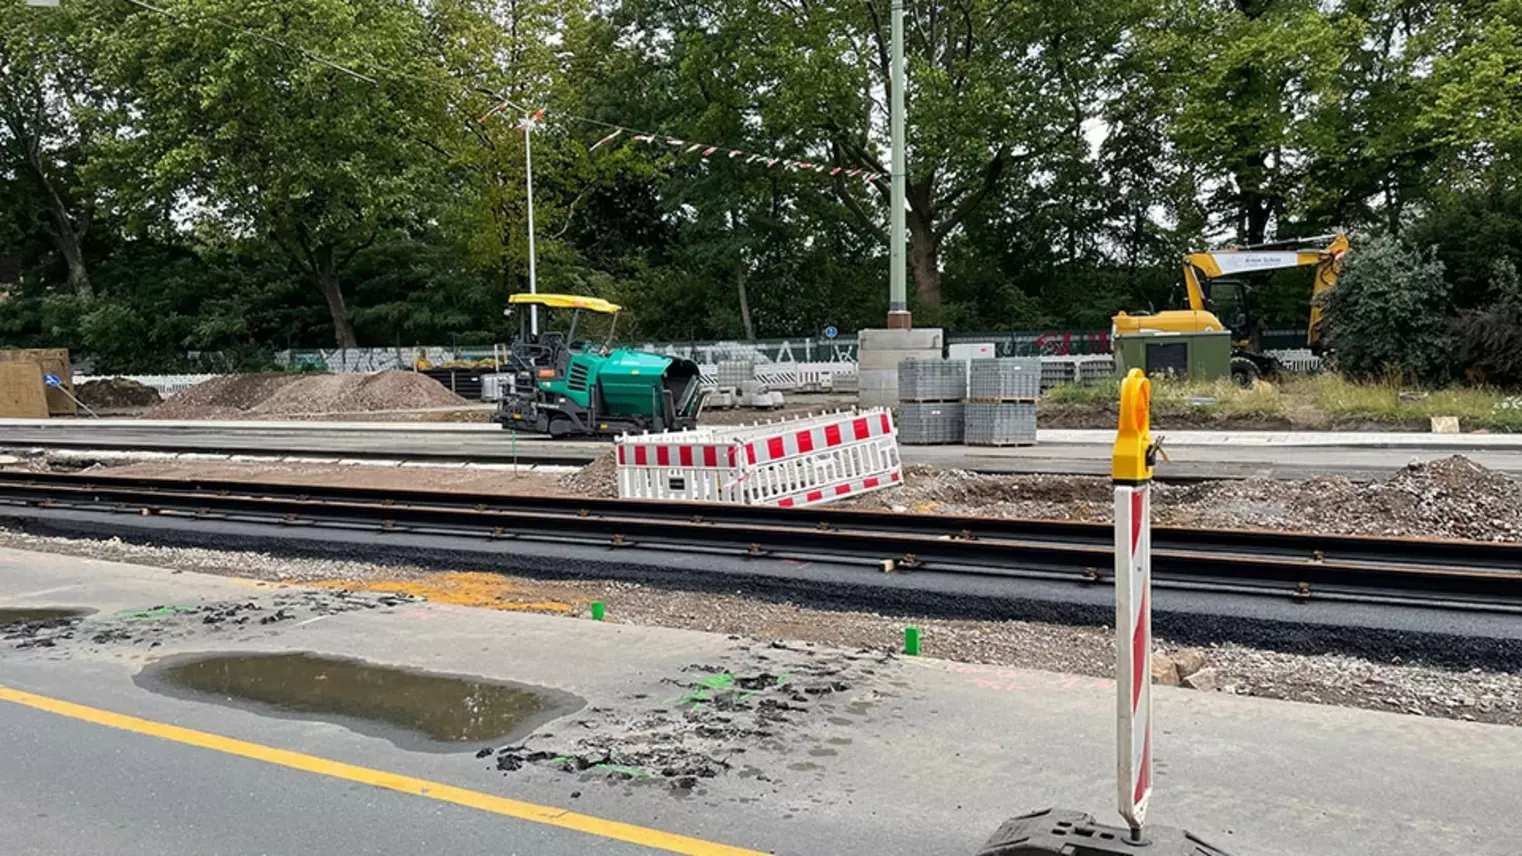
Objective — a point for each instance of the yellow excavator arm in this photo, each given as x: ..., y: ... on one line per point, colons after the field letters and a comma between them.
x: 1327, y: 261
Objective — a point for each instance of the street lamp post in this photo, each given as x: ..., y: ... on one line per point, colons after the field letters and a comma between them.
x: 528, y: 169
x: 898, y: 303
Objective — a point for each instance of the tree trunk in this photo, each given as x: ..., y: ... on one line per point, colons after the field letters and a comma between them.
x: 79, y: 275
x: 1257, y: 209
x: 343, y: 330
x: 65, y: 235
x: 750, y: 329
x: 924, y: 259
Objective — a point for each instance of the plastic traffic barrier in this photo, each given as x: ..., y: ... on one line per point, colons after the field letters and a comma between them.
x: 1063, y: 832
x: 789, y: 464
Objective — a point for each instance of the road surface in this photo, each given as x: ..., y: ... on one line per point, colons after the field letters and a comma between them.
x: 904, y: 756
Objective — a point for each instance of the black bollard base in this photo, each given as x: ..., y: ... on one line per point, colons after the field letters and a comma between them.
x: 1063, y: 832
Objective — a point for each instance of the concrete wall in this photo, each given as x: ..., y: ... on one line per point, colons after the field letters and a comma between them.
x: 880, y: 351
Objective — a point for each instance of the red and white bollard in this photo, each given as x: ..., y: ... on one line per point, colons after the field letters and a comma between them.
x: 1060, y: 832
x: 1133, y: 650
x: 1131, y: 471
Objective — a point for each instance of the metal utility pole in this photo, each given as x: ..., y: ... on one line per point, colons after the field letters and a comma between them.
x: 898, y: 302
x: 528, y: 167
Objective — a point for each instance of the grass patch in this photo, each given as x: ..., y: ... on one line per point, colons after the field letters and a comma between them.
x: 1105, y: 391
x: 1175, y: 397
x: 1476, y: 407
x: 1320, y: 401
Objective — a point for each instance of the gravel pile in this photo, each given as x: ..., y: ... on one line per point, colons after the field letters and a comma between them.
x: 116, y: 393
x: 277, y: 395
x: 1449, y: 498
x: 598, y: 479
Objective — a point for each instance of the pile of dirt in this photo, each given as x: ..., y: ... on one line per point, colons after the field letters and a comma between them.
x: 277, y: 395
x: 116, y: 393
x: 1449, y: 498
x: 599, y: 478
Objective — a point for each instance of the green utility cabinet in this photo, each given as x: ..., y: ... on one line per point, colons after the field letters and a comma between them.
x: 1200, y: 356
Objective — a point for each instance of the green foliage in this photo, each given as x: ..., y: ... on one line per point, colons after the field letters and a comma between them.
x: 174, y: 185
x: 1389, y: 314
x: 1490, y: 339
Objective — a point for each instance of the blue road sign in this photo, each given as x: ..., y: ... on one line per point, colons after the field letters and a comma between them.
x: 51, y: 380
x: 830, y: 332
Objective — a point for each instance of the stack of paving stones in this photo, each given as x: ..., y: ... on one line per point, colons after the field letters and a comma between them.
x: 1001, y: 402
x: 930, y: 410
x: 732, y: 373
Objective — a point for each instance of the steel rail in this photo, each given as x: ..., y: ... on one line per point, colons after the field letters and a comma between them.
x: 916, y: 544
x: 1305, y: 546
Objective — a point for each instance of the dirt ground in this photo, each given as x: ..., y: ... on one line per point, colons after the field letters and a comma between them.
x: 284, y: 395
x: 451, y: 480
x: 1449, y: 498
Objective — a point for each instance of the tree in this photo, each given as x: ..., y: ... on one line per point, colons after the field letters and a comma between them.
x: 992, y: 86
x: 1490, y: 339
x: 1475, y: 106
x: 312, y: 131
x: 50, y: 114
x: 1391, y: 313
x: 1241, y: 79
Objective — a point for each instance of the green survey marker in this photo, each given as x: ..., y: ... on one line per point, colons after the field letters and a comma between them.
x: 599, y: 609
x: 912, y: 641
x: 155, y: 612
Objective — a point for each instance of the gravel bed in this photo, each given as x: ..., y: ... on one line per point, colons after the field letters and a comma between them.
x: 1484, y: 696
x: 1449, y: 498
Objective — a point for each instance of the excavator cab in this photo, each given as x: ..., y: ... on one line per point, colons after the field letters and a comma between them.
x: 1231, y: 301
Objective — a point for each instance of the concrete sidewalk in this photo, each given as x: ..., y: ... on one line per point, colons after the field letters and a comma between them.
x: 917, y: 756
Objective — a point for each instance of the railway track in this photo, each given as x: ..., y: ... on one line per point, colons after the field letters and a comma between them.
x: 1461, y: 575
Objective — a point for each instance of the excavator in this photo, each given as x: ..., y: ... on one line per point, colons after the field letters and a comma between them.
x: 1220, y: 303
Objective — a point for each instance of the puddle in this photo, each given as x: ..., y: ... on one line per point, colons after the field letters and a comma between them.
x: 26, y: 616
x: 413, y: 709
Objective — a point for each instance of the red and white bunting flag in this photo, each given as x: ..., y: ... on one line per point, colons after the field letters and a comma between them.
x: 673, y: 141
x: 530, y: 122
x: 710, y: 150
x: 692, y: 148
x: 489, y: 113
x: 820, y: 168
x: 853, y: 172
x: 771, y: 163
x: 644, y: 138
x: 734, y: 153
x: 753, y: 158
x: 835, y: 171
x: 608, y: 138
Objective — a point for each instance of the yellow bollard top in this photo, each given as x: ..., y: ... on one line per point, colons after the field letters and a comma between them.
x: 1132, y: 459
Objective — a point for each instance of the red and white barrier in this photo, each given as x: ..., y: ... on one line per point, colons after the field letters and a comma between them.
x: 788, y: 464
x: 1133, y: 648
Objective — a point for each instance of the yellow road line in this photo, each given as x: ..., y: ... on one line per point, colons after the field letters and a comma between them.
x: 547, y: 815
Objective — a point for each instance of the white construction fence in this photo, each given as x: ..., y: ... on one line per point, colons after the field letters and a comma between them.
x: 789, y: 464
